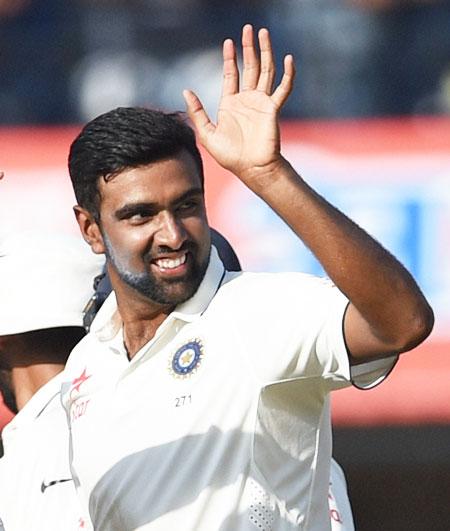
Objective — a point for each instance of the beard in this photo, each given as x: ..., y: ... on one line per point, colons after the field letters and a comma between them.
x: 162, y: 291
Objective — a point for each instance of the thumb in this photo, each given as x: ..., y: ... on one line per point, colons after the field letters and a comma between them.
x: 198, y: 115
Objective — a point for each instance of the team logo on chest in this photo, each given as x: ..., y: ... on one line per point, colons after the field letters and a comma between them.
x: 186, y: 359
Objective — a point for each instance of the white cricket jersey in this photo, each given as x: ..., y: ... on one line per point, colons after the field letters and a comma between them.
x: 37, y: 492
x: 221, y: 422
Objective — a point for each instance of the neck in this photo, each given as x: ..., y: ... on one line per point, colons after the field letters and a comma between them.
x: 141, y: 318
x: 136, y: 333
x: 26, y: 380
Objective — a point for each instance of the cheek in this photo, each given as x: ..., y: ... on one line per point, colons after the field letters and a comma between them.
x: 199, y: 231
x: 129, y: 246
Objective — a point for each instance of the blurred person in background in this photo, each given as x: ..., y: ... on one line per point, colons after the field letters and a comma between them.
x: 38, y: 43
x: 364, y: 58
x: 412, y: 60
x: 68, y: 61
x: 45, y: 282
x: 149, y: 50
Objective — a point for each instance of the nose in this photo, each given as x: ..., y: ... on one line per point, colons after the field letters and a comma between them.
x: 170, y: 232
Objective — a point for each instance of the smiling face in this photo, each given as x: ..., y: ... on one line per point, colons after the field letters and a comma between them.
x: 154, y: 231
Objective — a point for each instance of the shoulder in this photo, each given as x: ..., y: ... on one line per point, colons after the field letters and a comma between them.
x: 256, y: 280
x: 87, y: 347
x: 289, y: 288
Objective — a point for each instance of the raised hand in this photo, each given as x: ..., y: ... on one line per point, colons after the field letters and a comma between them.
x: 246, y: 137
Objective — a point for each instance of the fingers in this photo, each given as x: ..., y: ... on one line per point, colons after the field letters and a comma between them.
x: 230, y: 69
x: 250, y: 71
x: 267, y: 70
x: 258, y: 71
x: 197, y: 114
x: 283, y: 90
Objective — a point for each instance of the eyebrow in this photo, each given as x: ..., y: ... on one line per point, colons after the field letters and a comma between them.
x: 132, y: 208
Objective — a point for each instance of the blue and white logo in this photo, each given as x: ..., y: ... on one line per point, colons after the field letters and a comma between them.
x: 187, y: 359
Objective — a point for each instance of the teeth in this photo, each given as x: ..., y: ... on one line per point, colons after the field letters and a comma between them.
x: 169, y: 263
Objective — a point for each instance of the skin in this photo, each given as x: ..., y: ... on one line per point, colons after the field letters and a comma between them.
x: 6, y: 390
x: 387, y: 312
x: 30, y: 359
x: 25, y: 368
x: 148, y: 215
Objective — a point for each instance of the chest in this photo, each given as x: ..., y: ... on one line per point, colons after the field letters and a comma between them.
x: 185, y: 384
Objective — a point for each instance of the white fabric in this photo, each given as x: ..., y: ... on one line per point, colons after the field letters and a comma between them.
x: 243, y: 440
x: 46, y: 279
x: 36, y: 453
x: 339, y: 505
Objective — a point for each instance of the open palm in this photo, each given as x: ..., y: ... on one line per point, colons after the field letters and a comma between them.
x: 246, y: 136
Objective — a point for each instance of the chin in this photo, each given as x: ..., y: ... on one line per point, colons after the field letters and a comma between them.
x: 176, y: 296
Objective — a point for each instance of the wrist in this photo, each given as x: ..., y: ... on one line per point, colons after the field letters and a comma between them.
x: 261, y: 178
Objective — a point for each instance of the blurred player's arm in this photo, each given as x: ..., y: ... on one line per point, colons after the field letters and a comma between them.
x: 387, y: 313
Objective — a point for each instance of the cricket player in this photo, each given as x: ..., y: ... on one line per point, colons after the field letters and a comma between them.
x: 45, y: 281
x: 199, y: 400
x: 340, y: 510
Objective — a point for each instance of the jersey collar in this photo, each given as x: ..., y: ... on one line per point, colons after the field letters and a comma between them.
x: 193, y: 308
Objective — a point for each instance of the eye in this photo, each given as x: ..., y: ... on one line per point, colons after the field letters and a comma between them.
x: 189, y: 205
x: 139, y: 216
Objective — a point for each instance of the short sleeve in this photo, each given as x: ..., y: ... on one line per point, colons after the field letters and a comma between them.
x: 333, y: 355
x: 291, y: 326
x: 369, y: 375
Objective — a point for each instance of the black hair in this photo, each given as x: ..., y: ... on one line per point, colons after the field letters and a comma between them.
x: 126, y: 137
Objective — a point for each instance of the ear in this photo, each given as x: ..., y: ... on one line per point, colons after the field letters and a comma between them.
x: 89, y: 229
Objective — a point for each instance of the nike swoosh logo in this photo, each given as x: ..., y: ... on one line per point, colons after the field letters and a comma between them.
x: 45, y: 486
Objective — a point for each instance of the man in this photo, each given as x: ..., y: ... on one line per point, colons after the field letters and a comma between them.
x: 199, y: 400
x: 45, y: 282
x: 339, y: 504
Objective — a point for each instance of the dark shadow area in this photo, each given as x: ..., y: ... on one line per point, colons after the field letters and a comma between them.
x: 398, y: 477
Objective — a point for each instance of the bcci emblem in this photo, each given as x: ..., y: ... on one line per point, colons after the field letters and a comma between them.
x: 186, y: 359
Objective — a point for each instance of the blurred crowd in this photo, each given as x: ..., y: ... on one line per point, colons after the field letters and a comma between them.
x: 65, y: 62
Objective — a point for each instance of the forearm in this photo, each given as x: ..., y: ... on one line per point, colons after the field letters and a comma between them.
x: 381, y: 291
x: 387, y: 311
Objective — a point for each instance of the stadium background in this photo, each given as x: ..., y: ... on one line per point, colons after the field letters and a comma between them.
x: 368, y: 126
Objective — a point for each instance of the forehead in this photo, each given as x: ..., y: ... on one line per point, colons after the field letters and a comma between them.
x: 159, y: 182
